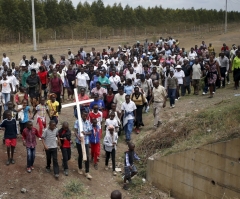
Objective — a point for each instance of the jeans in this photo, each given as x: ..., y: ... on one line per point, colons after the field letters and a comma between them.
x: 171, y: 95
x: 128, y: 129
x: 113, y: 154
x: 66, y: 154
x: 52, y: 154
x: 30, y: 157
x: 80, y: 157
x: 6, y: 98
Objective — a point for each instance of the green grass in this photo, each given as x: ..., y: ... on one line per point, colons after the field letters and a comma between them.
x: 74, y: 188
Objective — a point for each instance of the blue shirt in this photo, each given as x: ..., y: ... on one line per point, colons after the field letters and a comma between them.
x: 25, y: 113
x: 100, y: 104
x: 128, y: 89
x: 87, y: 127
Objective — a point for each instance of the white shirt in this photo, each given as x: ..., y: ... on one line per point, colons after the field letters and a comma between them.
x: 196, y: 71
x: 22, y: 62
x: 13, y: 80
x: 118, y: 100
x: 131, y: 76
x: 71, y: 56
x: 82, y: 79
x: 110, y: 122
x: 137, y: 69
x: 179, y: 75
x: 7, y: 60
x: 5, y: 86
x: 128, y: 107
x: 192, y: 55
x: 114, y: 82
x: 62, y: 75
x: 35, y: 66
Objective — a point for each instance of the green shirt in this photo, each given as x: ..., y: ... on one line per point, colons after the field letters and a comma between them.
x: 24, y: 78
x: 236, y: 63
x: 104, y: 80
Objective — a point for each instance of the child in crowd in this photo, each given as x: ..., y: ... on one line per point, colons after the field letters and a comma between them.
x: 10, y: 135
x: 42, y: 111
x: 10, y: 107
x: 21, y: 95
x: 129, y: 168
x: 29, y: 141
x: 53, y: 107
x: 114, y: 110
x: 96, y: 114
x: 50, y: 146
x: 111, y: 121
x: 95, y: 142
x: 110, y: 142
x: 26, y: 115
x: 64, y: 138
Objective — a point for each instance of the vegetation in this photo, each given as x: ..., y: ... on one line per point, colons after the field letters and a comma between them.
x: 74, y: 188
x: 16, y: 15
x: 218, y: 123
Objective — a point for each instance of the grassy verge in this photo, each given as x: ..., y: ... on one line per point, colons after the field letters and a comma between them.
x: 217, y: 123
x: 74, y: 189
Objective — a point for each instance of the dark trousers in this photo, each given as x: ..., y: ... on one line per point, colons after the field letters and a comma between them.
x: 30, y: 157
x: 52, y: 154
x: 80, y: 157
x: 22, y: 126
x: 113, y: 154
x: 66, y: 154
x: 55, y: 118
x: 223, y: 75
x: 139, y: 121
x: 185, y: 88
x: 58, y: 98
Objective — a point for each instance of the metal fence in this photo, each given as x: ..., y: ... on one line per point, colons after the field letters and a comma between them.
x: 77, y: 35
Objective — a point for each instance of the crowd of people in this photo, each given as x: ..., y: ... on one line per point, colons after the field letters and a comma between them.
x: 122, y: 82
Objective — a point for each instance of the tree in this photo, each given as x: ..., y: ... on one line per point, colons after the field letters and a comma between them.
x: 53, y: 13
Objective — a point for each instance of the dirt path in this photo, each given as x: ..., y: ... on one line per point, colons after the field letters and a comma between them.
x: 43, y: 185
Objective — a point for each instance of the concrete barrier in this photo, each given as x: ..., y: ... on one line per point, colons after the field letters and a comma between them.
x: 208, y: 172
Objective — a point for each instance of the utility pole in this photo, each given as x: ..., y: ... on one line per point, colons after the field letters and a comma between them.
x: 226, y: 18
x: 33, y: 27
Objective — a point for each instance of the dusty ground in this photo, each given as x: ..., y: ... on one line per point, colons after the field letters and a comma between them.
x: 40, y: 184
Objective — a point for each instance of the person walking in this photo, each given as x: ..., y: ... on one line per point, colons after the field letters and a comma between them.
x: 159, y: 98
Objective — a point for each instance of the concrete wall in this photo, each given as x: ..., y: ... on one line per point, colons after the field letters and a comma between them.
x: 208, y: 172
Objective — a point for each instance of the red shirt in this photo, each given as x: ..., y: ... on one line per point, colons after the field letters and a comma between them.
x: 79, y: 62
x: 97, y: 116
x: 56, y: 84
x: 30, y: 137
x: 66, y: 143
x: 43, y: 77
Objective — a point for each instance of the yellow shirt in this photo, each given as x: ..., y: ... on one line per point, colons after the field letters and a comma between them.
x: 236, y: 63
x: 140, y: 100
x: 52, y: 106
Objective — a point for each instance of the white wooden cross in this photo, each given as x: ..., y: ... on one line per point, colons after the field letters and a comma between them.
x: 77, y: 103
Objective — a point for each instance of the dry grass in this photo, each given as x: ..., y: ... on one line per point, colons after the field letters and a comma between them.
x: 218, y: 123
